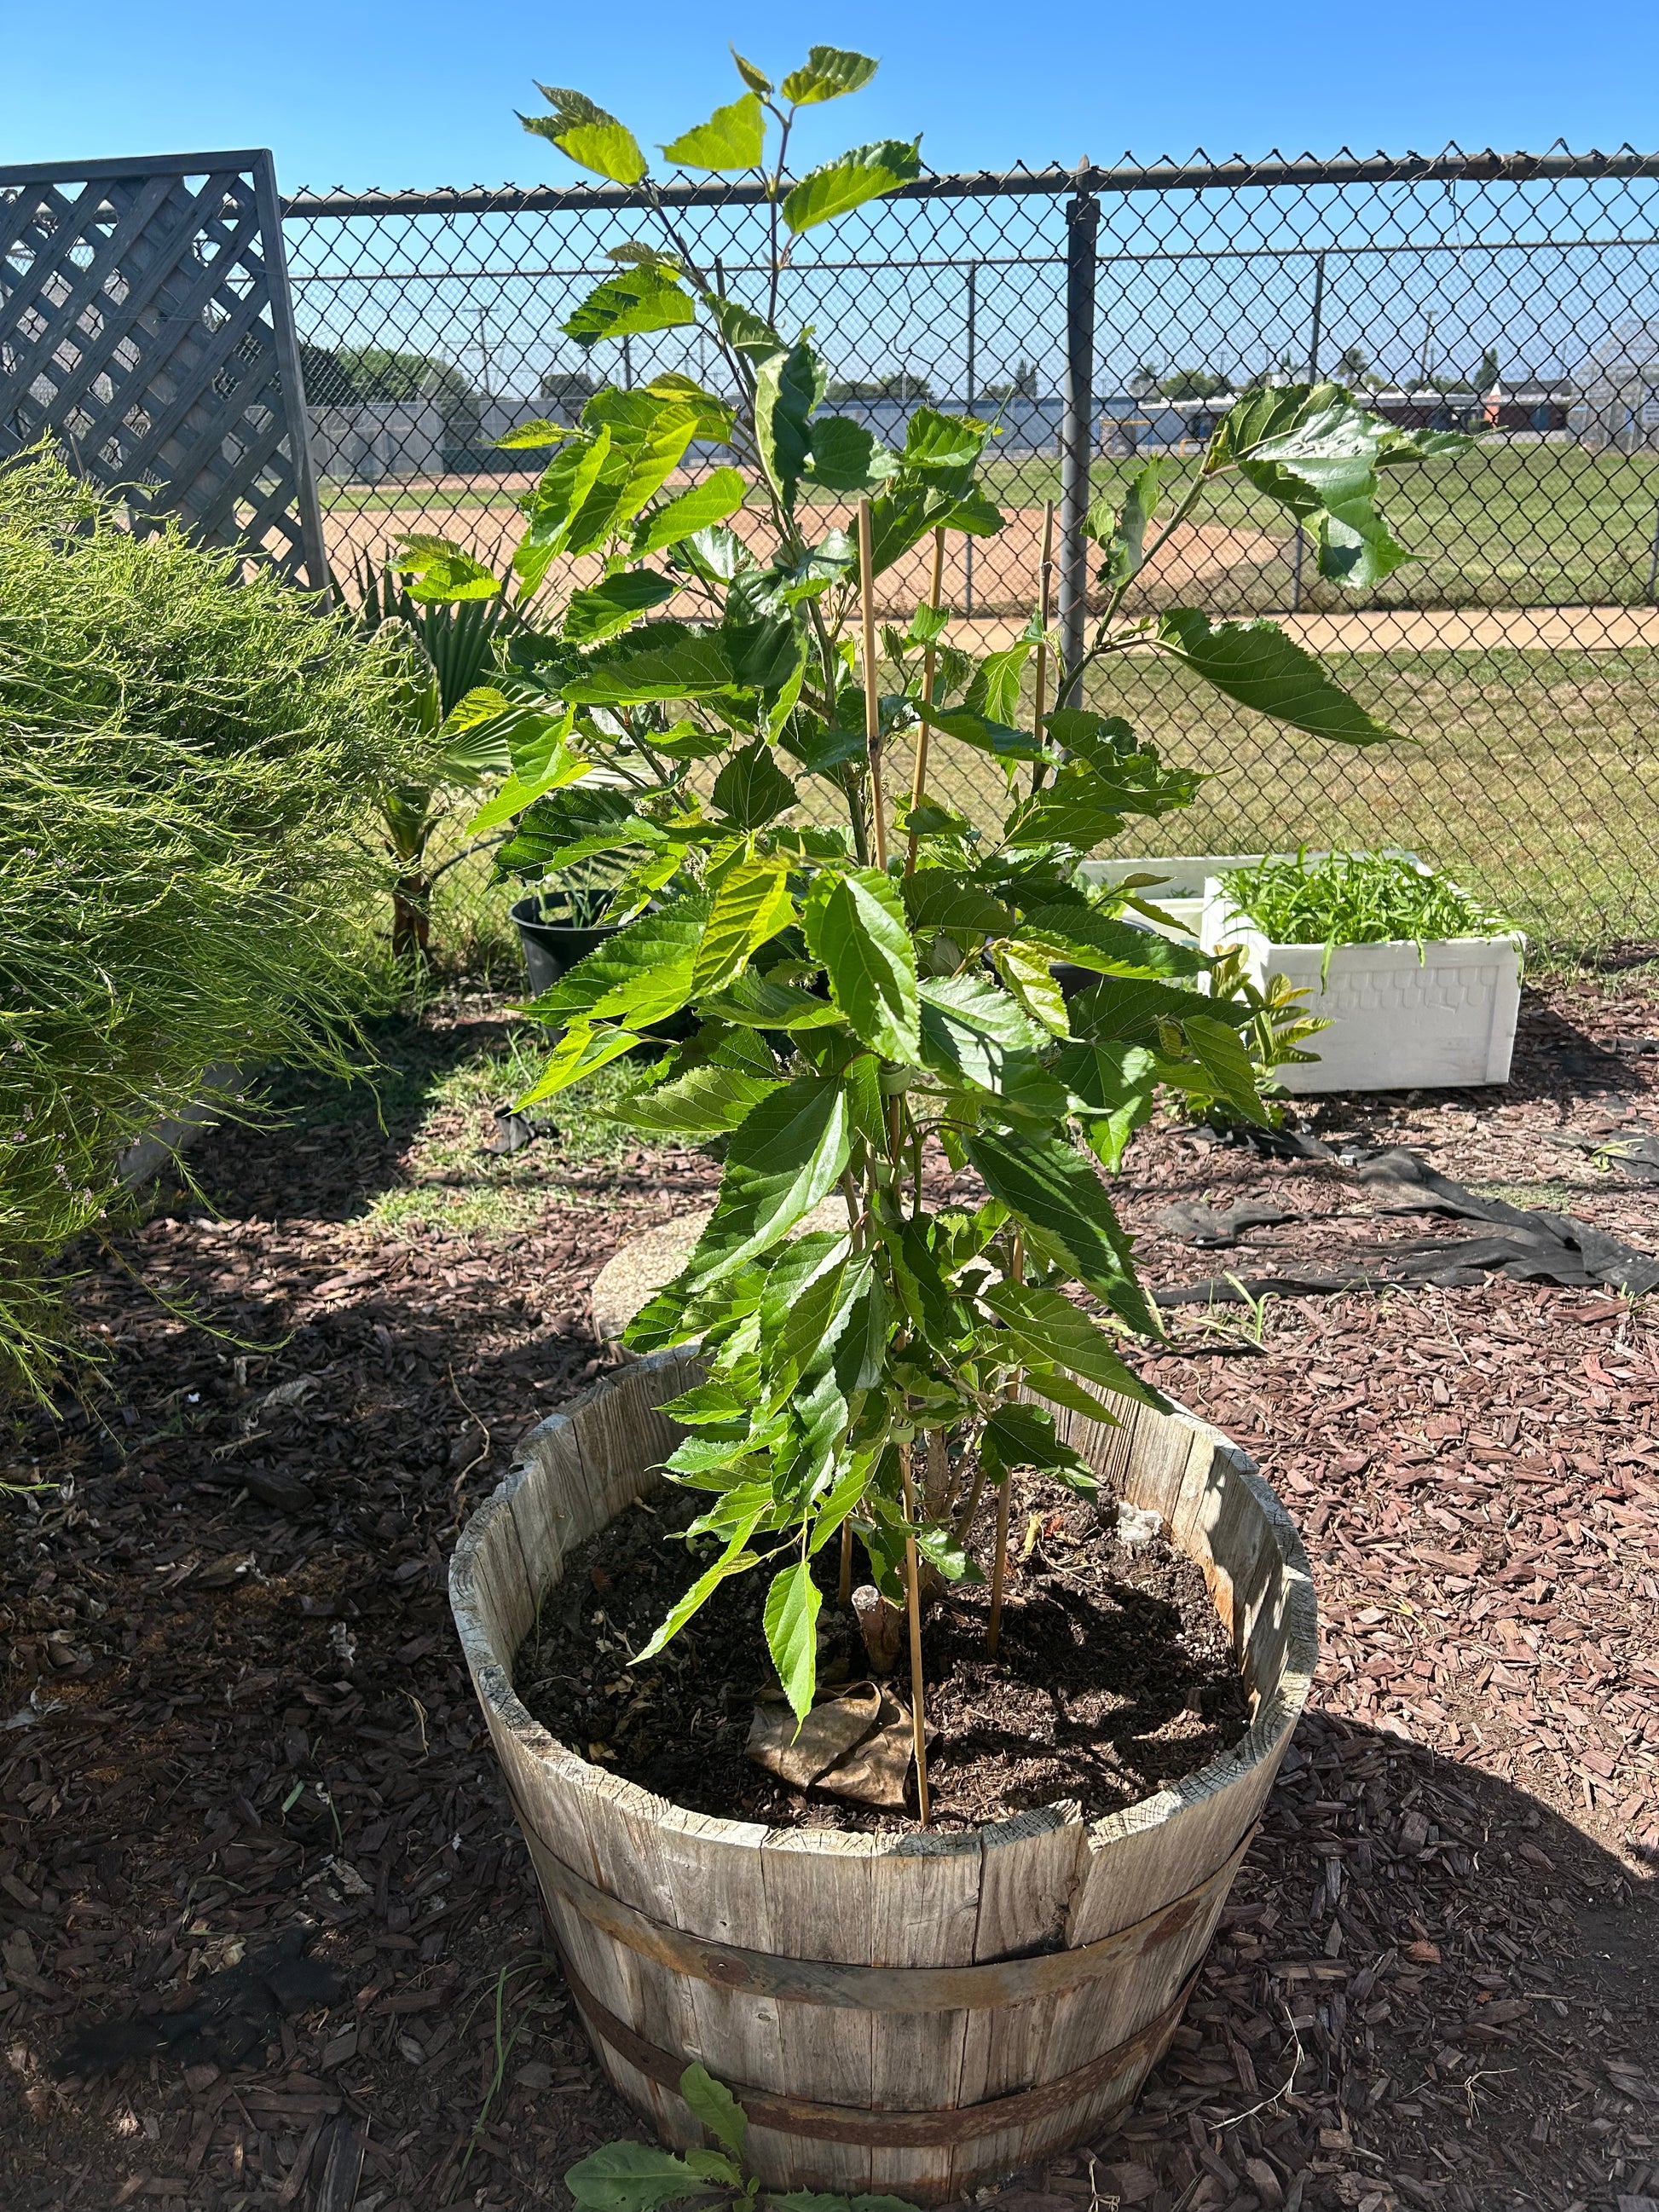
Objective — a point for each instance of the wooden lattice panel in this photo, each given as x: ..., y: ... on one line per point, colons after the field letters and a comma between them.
x: 145, y: 325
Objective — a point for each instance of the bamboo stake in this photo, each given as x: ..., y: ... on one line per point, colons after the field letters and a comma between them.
x: 1045, y: 585
x: 845, y: 1593
x: 927, y: 665
x: 871, y: 695
x: 999, y: 1562
x: 913, y: 1595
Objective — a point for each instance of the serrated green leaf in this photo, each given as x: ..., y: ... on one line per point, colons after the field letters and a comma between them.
x: 704, y: 1102
x: 720, y: 493
x: 647, y: 965
x: 792, y: 1618
x: 752, y: 905
x: 1122, y: 1006
x: 1124, y: 539
x: 662, y: 660
x: 631, y: 2176
x: 592, y: 138
x: 944, y: 446
x: 840, y: 185
x: 1048, y: 1327
x: 937, y: 898
x: 715, y: 2106
x: 644, y: 298
x: 1109, y: 947
x: 580, y: 1053
x: 1055, y: 1195
x: 787, y: 387
x: 751, y: 789
x: 856, y: 925
x: 1020, y: 1435
x: 733, y: 137
x: 1257, y: 665
x: 756, y: 1002
x: 1028, y: 971
x: 539, y: 432
x: 561, y: 493
x: 976, y: 1033
x: 751, y: 77
x: 789, y: 1153
x: 1221, y: 1053
x: 736, y: 1559
x: 996, y: 738
x: 445, y: 573
x: 743, y: 330
x: 827, y: 73
x: 569, y: 826
x: 845, y: 456
x: 603, y: 609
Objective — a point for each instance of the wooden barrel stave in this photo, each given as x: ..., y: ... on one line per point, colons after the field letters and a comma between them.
x: 1019, y: 1886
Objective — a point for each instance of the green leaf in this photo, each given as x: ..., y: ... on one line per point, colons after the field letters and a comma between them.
x: 569, y: 826
x: 1113, y: 1085
x: 856, y: 925
x: 720, y: 493
x: 743, y: 330
x: 705, y: 1102
x: 787, y: 387
x: 751, y: 77
x: 1049, y: 1327
x: 631, y: 2176
x: 1221, y: 1053
x: 713, y: 2164
x: 945, y: 445
x: 994, y: 691
x: 736, y: 1559
x: 844, y: 456
x: 641, y: 299
x: 757, y: 1002
x: 603, y: 609
x: 821, y: 751
x: 646, y: 962
x: 733, y: 137
x: 1061, y: 817
x: 446, y: 572
x: 560, y: 494
x: 792, y: 1619
x: 1055, y: 1195
x: 1028, y: 970
x: 715, y: 2106
x: 943, y: 1550
x: 662, y: 660
x: 1316, y: 452
x: 1125, y: 538
x: 1020, y: 1435
x: 976, y: 1033
x: 580, y: 1053
x: 840, y: 185
x: 751, y: 789
x: 751, y: 904
x: 828, y: 73
x: 592, y: 138
x: 986, y: 736
x: 1123, y: 1006
x: 789, y: 1153
x: 1257, y: 665
x: 534, y: 434
x: 1110, y: 947
x: 935, y: 898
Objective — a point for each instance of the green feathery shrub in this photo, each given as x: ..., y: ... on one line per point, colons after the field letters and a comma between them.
x: 187, y: 874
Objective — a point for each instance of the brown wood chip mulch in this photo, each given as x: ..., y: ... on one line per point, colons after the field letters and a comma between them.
x: 233, y: 1707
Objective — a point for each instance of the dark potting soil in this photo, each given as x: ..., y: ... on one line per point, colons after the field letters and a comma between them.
x: 1113, y: 1674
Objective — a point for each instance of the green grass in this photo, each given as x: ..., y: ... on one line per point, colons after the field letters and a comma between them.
x: 1530, y: 779
x: 1504, y: 524
x: 457, y: 1187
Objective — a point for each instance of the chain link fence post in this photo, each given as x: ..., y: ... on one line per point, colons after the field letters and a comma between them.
x: 1076, y: 423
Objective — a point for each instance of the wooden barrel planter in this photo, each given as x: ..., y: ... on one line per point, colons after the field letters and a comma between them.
x: 914, y: 2014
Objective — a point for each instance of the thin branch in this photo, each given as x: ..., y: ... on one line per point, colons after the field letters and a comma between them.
x: 872, y: 693
x: 928, y: 660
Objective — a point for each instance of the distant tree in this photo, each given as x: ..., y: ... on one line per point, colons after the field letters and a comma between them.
x: 1022, y: 385
x: 376, y: 373
x: 899, y: 384
x: 567, y: 391
x: 1487, y: 375
x: 1194, y: 384
x: 328, y: 381
x: 1351, y: 365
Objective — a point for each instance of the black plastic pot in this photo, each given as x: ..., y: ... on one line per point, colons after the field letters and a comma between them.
x: 550, y: 947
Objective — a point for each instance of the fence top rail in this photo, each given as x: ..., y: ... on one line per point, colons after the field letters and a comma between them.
x: 1451, y: 166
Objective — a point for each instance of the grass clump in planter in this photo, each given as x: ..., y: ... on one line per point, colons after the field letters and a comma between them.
x: 1355, y: 898
x: 186, y: 762
x: 868, y: 992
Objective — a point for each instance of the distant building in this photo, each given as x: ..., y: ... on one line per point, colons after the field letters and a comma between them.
x: 366, y: 440
x: 1618, y: 408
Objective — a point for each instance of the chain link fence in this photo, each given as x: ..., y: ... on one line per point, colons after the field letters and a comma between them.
x: 1097, y: 317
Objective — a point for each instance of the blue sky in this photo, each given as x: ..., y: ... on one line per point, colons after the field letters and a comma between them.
x: 355, y: 92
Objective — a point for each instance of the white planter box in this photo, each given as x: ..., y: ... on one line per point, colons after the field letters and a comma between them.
x: 1401, y: 1019
x: 1180, y: 889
